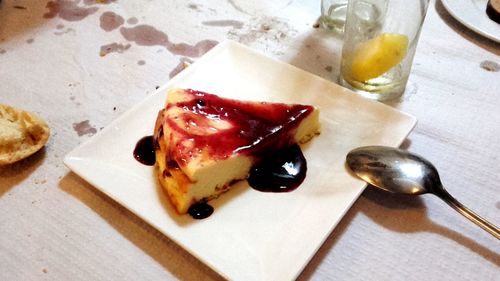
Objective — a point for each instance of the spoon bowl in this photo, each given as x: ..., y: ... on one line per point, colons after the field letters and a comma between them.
x: 399, y: 171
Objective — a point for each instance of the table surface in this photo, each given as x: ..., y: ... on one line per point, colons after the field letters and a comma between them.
x: 81, y: 64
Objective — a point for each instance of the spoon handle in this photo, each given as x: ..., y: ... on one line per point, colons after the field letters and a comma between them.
x: 466, y: 212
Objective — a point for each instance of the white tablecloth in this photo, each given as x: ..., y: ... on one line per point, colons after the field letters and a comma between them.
x: 58, y: 59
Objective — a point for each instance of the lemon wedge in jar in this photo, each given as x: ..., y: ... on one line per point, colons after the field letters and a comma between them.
x: 378, y: 55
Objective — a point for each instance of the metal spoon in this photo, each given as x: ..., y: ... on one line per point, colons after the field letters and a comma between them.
x: 399, y: 171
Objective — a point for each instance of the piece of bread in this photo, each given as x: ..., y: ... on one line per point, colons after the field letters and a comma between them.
x: 21, y: 134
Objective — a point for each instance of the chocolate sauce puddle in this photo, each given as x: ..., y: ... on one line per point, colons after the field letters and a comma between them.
x: 282, y: 171
x: 144, y: 151
x: 201, y: 210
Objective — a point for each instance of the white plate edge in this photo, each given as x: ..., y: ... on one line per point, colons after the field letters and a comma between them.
x: 449, y: 8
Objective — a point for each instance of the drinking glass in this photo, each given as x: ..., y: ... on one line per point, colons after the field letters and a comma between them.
x: 380, y: 39
x: 333, y: 14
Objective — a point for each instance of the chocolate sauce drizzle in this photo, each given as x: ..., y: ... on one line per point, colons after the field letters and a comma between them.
x: 144, y: 151
x: 283, y: 171
x: 200, y: 210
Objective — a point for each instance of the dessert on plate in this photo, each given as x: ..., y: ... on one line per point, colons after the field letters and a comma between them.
x: 204, y: 143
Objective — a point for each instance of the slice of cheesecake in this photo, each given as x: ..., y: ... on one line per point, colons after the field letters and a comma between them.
x: 204, y: 143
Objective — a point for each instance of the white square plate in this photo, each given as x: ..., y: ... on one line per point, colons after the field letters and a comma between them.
x: 251, y: 235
